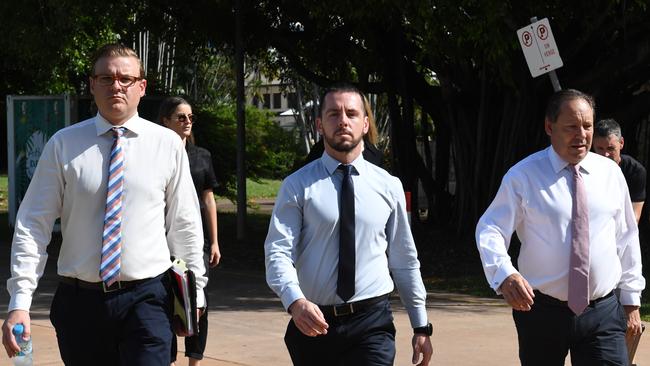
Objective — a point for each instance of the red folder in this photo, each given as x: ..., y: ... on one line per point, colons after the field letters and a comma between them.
x: 183, y: 288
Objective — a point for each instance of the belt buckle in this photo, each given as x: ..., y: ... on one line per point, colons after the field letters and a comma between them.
x: 343, y: 307
x: 111, y: 288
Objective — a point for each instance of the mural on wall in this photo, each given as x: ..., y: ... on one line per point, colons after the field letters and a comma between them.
x: 32, y: 120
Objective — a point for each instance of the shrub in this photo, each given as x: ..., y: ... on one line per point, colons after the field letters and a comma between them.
x: 270, y: 150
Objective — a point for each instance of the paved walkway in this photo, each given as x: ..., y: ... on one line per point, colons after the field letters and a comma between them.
x: 248, y: 323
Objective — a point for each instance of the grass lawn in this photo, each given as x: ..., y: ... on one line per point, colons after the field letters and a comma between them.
x: 469, y: 284
x: 258, y: 189
x: 4, y: 198
x: 264, y: 188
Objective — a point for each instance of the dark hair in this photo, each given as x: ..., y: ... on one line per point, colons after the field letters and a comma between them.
x: 606, y: 127
x: 168, y: 106
x: 115, y: 50
x: 340, y: 88
x: 558, y: 99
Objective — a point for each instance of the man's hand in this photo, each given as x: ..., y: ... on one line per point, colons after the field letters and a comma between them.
x: 308, y: 318
x: 421, y: 346
x: 633, y: 321
x: 8, y: 340
x: 517, y: 292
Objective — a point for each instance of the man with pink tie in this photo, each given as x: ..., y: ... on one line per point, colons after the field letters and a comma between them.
x: 572, y: 213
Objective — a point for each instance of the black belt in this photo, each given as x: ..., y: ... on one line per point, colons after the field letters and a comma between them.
x: 101, y: 286
x: 550, y: 300
x: 351, y: 307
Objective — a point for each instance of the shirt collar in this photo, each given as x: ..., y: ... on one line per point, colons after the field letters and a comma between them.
x: 332, y: 164
x: 132, y: 124
x: 558, y: 163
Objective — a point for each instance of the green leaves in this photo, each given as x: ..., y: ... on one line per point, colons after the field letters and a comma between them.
x: 270, y: 150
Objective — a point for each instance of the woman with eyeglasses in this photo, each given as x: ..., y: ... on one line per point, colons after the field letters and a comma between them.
x: 176, y: 114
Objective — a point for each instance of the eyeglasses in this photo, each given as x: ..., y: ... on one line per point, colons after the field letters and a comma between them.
x: 185, y: 118
x: 125, y: 81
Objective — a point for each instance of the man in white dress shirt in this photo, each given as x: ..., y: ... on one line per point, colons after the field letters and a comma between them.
x: 118, y: 317
x: 535, y: 200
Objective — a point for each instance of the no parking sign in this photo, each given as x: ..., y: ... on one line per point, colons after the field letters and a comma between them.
x: 540, y: 50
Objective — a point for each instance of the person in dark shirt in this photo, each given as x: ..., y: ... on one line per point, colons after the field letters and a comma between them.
x: 370, y: 151
x: 176, y: 114
x: 609, y: 142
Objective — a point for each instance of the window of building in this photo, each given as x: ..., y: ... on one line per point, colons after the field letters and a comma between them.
x: 277, y: 101
x: 267, y: 101
x: 256, y: 101
x: 292, y: 100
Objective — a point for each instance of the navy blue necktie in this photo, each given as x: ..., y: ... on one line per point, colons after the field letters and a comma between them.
x: 345, y: 283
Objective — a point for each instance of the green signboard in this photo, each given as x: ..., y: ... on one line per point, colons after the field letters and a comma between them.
x: 31, y: 121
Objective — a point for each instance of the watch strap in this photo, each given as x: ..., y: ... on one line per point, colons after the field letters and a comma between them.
x: 426, y: 330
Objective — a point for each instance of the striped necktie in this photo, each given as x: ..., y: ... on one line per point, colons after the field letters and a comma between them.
x: 109, y: 269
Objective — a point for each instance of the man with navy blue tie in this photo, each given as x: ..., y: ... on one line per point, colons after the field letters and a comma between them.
x: 339, y: 230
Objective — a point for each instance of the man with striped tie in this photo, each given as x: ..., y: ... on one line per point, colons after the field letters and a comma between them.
x: 122, y: 188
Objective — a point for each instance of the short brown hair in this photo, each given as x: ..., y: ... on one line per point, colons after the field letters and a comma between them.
x: 559, y: 98
x: 340, y: 88
x: 115, y: 50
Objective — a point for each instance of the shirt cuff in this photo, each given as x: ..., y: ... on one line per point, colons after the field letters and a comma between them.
x: 632, y: 298
x: 20, y: 302
x: 501, y: 274
x: 200, y: 299
x: 418, y: 317
x: 290, y: 295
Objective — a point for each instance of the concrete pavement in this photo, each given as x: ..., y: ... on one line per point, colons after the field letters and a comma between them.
x: 247, y: 325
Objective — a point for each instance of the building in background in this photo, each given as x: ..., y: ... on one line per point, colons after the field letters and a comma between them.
x: 275, y: 96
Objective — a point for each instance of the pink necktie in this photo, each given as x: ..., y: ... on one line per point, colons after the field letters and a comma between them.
x: 579, y: 261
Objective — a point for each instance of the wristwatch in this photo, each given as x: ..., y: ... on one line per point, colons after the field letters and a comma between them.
x: 427, y: 330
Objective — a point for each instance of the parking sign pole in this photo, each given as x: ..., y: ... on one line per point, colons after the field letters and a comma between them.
x: 551, y: 74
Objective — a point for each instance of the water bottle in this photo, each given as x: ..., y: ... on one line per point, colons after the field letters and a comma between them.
x: 24, y: 357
